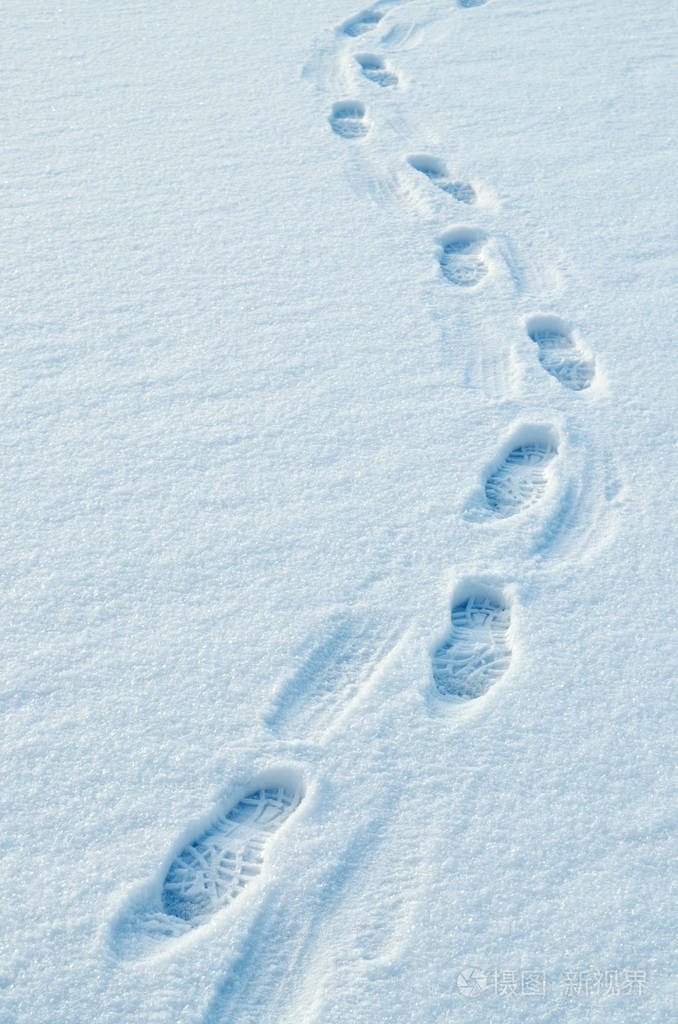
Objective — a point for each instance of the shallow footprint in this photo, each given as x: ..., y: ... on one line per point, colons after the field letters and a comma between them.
x: 376, y: 69
x: 521, y: 478
x: 476, y: 651
x: 211, y: 871
x: 461, y: 259
x: 436, y: 171
x: 559, y: 354
x: 328, y: 678
x: 361, y: 23
x: 348, y: 119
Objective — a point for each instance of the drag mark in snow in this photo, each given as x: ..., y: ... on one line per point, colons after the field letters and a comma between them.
x: 361, y: 23
x: 461, y: 256
x: 476, y: 651
x: 436, y: 171
x: 520, y: 479
x: 210, y: 871
x: 376, y: 69
x: 348, y: 119
x: 559, y: 354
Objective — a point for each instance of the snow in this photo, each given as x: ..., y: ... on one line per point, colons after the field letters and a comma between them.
x: 258, y: 374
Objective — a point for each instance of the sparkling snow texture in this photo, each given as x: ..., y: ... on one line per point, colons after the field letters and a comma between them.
x: 339, y: 478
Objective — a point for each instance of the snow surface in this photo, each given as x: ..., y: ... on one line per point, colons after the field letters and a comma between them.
x: 274, y: 282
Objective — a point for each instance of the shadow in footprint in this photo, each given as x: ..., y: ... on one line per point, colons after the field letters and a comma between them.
x: 461, y: 256
x: 436, y: 171
x: 361, y: 23
x: 476, y: 651
x: 559, y: 354
x: 376, y: 69
x: 209, y: 872
x: 520, y: 479
x: 471, y: 3
x: 349, y: 119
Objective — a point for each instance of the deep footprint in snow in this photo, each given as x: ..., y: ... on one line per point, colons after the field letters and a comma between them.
x: 521, y: 478
x: 559, y: 354
x: 476, y: 651
x: 376, y: 69
x: 461, y: 256
x: 211, y: 871
x: 471, y: 3
x: 436, y: 171
x: 208, y: 873
x: 361, y: 23
x: 348, y: 119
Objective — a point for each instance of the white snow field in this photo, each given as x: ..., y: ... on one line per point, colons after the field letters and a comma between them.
x: 338, y: 502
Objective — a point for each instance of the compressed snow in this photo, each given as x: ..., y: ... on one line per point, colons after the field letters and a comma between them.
x: 294, y: 297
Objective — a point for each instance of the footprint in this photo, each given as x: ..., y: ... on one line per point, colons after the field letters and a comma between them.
x: 461, y: 259
x: 329, y: 677
x: 376, y: 69
x: 361, y: 23
x: 403, y: 35
x: 471, y: 3
x: 436, y: 171
x: 520, y: 479
x: 476, y: 651
x: 211, y: 871
x: 559, y: 354
x: 348, y: 119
